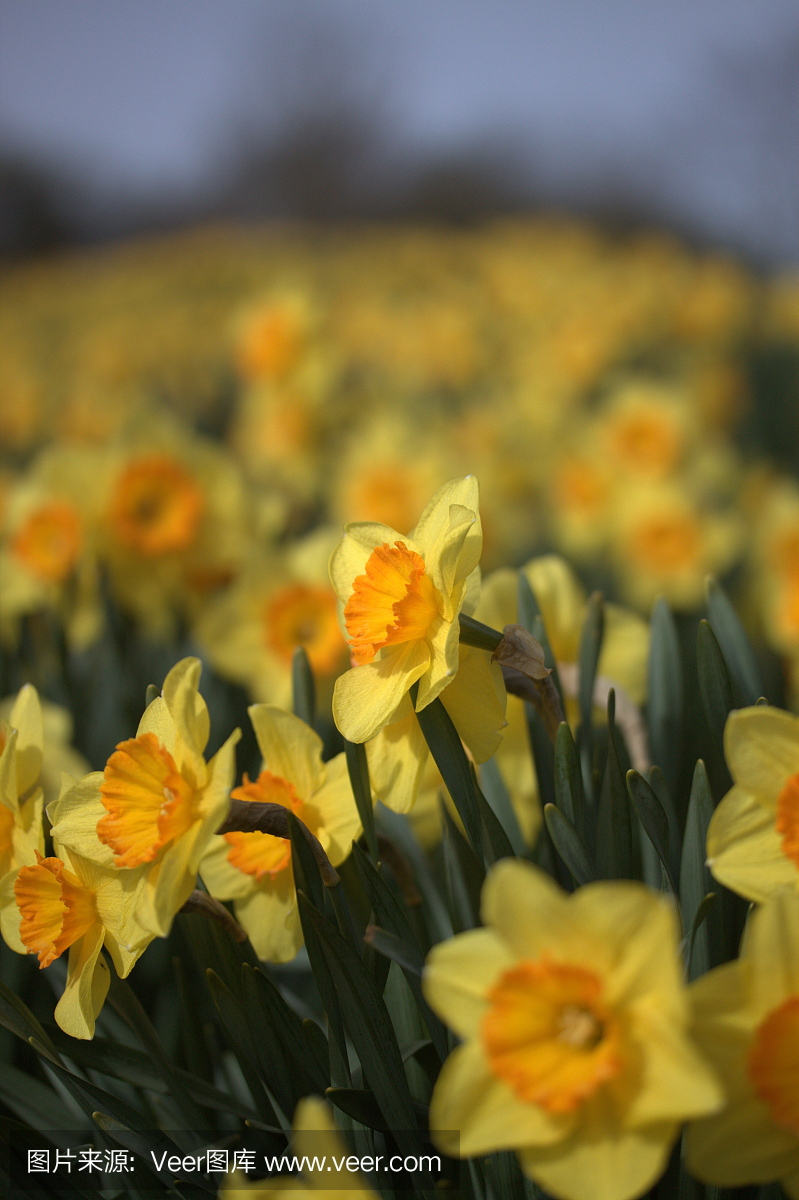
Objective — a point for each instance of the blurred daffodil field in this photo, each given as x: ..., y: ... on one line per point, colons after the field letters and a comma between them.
x: 400, y: 759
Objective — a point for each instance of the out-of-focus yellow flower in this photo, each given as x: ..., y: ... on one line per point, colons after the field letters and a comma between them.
x: 775, y: 564
x: 574, y: 1022
x: 315, y: 1137
x: 279, y: 602
x: 70, y: 902
x: 746, y: 1018
x: 665, y: 543
x: 57, y: 753
x: 753, y: 836
x: 254, y: 869
x: 272, y: 335
x: 21, y: 798
x: 402, y: 595
x: 158, y: 803
x: 644, y: 428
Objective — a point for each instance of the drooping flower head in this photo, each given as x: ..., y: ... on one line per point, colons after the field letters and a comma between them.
x: 401, y: 597
x: 753, y: 836
x: 574, y: 1019
x: 21, y: 798
x: 158, y: 802
x: 254, y: 869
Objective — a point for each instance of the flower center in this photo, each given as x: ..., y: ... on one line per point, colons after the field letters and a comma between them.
x: 258, y: 853
x: 647, y: 441
x: 56, y: 908
x: 667, y: 543
x: 272, y: 343
x: 147, y: 800
x: 773, y: 1063
x: 547, y: 1035
x: 579, y: 487
x: 49, y: 542
x: 302, y: 615
x: 787, y: 823
x: 394, y: 601
x: 156, y: 506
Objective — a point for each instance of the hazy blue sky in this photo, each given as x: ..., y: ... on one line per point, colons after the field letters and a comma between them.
x: 690, y: 105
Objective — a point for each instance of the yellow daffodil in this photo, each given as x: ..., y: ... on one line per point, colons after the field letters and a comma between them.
x: 254, y: 869
x: 746, y: 1018
x: 753, y: 836
x: 574, y: 1023
x: 69, y: 902
x: 157, y: 804
x: 401, y: 597
x: 21, y: 797
x: 315, y: 1137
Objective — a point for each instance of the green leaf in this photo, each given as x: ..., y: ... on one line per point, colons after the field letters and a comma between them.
x: 652, y: 816
x: 464, y: 876
x: 697, y: 956
x: 286, y: 1028
x: 142, y: 1145
x: 35, y: 1102
x: 304, y: 865
x: 392, y: 914
x: 394, y: 949
x: 614, y: 839
x: 360, y: 1105
x: 284, y: 1074
x: 665, y: 694
x: 587, y: 660
x: 568, y: 844
x: 369, y: 1026
x: 496, y: 794
x: 696, y: 880
x: 237, y: 1026
x: 715, y: 684
x: 659, y: 786
x: 735, y: 645
x: 496, y: 842
x: 569, y: 795
x: 303, y: 688
x: 450, y: 758
x: 19, y: 1019
x: 124, y: 1001
x: 358, y: 769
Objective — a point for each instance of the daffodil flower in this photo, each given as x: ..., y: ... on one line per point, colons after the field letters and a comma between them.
x: 753, y: 836
x: 158, y: 803
x: 401, y: 597
x: 574, y: 1023
x: 746, y: 1018
x: 254, y: 869
x: 68, y: 902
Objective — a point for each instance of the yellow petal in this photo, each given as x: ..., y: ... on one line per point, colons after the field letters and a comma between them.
x: 26, y: 718
x: 475, y: 700
x: 741, y: 1145
x: 397, y: 757
x: 350, y: 556
x: 561, y: 599
x: 676, y: 1083
x: 335, y: 803
x: 74, y: 816
x: 625, y: 651
x: 744, y: 850
x: 471, y: 1112
x: 186, y: 705
x: 444, y: 643
x: 270, y: 915
x: 458, y: 973
x: 601, y: 1160
x: 455, y: 506
x: 88, y: 980
x: 761, y: 745
x: 366, y: 698
x: 527, y: 910
x: 771, y: 946
x: 289, y: 747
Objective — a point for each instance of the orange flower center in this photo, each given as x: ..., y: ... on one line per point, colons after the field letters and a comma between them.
x: 56, y: 908
x: 258, y: 853
x: 148, y: 802
x: 271, y: 344
x: 386, y: 492
x: 547, y: 1035
x: 773, y: 1064
x: 667, y: 544
x: 49, y: 542
x: 395, y: 601
x: 156, y: 507
x: 787, y: 823
x: 304, y: 615
x: 580, y: 488
x: 646, y: 441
